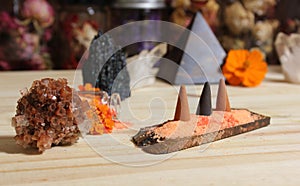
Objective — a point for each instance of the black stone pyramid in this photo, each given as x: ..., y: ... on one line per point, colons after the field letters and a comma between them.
x: 200, y: 60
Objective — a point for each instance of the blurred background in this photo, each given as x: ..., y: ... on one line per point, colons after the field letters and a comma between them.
x: 53, y: 34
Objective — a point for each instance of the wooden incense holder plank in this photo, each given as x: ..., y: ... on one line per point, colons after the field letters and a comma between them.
x: 147, y: 143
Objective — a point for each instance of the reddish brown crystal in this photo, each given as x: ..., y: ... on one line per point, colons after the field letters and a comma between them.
x: 48, y: 114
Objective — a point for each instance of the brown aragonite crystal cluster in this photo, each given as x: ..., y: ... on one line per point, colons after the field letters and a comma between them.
x: 48, y: 114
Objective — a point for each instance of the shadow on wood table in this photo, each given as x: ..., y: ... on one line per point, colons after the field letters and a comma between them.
x: 9, y: 146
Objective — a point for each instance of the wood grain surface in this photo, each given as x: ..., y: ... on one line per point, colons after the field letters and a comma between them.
x: 267, y: 156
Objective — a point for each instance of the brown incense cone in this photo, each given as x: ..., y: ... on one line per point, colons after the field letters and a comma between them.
x: 222, y: 98
x: 204, y: 106
x: 182, y: 108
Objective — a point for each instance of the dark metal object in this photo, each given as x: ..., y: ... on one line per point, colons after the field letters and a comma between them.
x: 139, y: 4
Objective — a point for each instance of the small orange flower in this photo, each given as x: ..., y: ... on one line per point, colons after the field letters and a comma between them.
x: 245, y: 68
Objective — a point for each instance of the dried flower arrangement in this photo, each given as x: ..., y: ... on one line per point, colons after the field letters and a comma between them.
x: 26, y: 37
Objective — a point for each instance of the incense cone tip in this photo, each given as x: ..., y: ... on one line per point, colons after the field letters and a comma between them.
x: 204, y: 106
x: 222, y: 98
x: 182, y: 111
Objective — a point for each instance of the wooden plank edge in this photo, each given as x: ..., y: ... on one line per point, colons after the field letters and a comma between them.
x: 174, y: 145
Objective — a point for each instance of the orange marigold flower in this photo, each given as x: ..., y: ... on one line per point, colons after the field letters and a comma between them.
x: 245, y: 68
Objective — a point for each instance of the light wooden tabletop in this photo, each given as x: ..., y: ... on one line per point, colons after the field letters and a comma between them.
x: 267, y: 156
